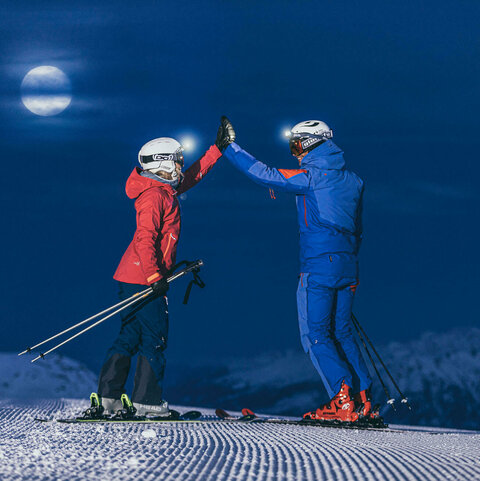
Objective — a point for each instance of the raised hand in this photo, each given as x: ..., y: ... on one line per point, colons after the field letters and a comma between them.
x: 225, y: 135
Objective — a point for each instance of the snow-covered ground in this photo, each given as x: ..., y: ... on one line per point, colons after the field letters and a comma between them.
x: 216, y: 451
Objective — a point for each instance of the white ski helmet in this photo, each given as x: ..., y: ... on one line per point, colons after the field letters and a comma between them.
x: 307, y: 135
x: 161, y: 155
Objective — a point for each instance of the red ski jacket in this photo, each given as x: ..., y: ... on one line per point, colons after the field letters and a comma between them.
x: 152, y: 252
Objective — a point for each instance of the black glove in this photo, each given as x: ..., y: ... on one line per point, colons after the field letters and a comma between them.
x: 160, y: 287
x: 225, y: 135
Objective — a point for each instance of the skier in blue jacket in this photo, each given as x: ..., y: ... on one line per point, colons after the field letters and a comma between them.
x: 329, y: 205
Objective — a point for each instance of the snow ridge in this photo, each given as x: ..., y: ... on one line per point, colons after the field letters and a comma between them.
x: 58, y: 376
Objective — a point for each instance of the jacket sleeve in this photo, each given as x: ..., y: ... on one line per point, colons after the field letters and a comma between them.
x: 195, y: 173
x: 149, y: 221
x: 296, y: 181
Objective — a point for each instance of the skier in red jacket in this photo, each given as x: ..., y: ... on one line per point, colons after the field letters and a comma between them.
x: 148, y: 260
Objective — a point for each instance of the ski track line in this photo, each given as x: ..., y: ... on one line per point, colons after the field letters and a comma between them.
x: 219, y: 451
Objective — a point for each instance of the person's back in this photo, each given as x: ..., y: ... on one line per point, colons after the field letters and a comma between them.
x: 329, y: 216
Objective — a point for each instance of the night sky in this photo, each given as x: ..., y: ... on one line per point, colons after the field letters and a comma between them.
x: 398, y: 83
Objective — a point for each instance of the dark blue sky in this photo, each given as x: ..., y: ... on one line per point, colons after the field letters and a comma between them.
x: 398, y: 83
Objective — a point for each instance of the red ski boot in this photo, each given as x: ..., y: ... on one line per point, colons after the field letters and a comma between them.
x: 364, y: 402
x: 340, y: 408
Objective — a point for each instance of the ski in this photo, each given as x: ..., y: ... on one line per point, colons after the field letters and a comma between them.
x: 95, y: 414
x: 249, y: 416
x: 245, y: 418
x: 377, y: 424
x: 173, y: 416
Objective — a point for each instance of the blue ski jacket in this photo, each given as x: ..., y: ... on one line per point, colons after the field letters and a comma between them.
x: 329, y: 206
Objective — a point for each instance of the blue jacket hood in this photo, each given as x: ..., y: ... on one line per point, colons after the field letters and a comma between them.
x: 327, y: 156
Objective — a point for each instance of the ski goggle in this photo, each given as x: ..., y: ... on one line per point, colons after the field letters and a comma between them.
x: 295, y: 145
x: 177, y: 157
x: 299, y: 145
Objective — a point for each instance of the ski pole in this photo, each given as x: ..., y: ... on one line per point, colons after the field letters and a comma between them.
x: 404, y: 398
x: 29, y: 349
x: 190, y: 267
x: 150, y: 290
x: 390, y: 400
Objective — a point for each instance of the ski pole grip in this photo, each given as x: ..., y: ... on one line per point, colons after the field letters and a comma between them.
x: 191, y: 266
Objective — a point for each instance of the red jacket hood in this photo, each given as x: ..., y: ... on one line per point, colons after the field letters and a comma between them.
x: 137, y: 184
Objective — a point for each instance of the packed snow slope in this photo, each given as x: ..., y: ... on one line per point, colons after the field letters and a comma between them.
x: 438, y: 372
x: 32, y: 451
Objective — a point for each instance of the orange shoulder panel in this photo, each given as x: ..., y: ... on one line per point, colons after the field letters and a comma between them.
x: 287, y: 173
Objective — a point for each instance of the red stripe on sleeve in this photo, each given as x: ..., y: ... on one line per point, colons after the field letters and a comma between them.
x: 287, y: 173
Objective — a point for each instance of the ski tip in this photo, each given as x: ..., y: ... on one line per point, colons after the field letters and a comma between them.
x: 191, y: 415
x: 247, y: 412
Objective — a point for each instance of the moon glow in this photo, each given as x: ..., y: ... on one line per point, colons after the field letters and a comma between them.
x: 46, y: 91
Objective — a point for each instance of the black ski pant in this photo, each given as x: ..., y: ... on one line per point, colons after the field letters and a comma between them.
x: 144, y: 331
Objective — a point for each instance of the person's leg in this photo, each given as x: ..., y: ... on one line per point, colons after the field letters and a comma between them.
x: 315, y: 304
x: 114, y: 373
x: 148, y: 384
x: 345, y: 337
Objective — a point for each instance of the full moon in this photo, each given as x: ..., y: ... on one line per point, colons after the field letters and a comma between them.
x: 46, y: 91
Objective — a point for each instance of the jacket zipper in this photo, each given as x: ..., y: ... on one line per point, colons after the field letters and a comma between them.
x: 305, y: 206
x: 170, y: 237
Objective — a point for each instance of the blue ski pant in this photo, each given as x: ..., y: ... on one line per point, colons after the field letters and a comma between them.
x: 143, y: 331
x: 326, y: 330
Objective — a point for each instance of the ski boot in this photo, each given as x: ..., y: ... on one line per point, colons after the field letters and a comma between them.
x: 340, y: 408
x: 95, y: 411
x: 157, y: 410
x: 111, y: 405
